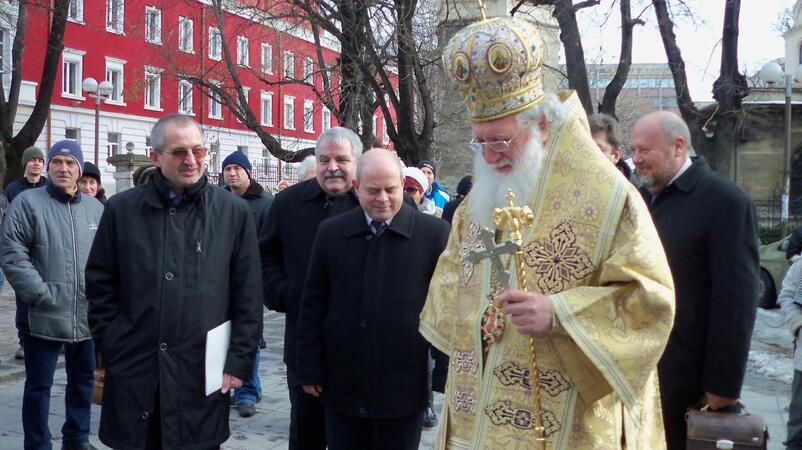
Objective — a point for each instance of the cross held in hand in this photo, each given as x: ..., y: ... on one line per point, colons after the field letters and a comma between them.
x: 493, y: 252
x: 514, y: 217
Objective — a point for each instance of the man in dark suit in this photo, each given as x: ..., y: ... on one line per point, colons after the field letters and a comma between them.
x: 291, y: 226
x: 708, y: 228
x: 358, y: 341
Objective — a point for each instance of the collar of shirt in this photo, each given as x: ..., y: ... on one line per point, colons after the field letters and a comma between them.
x: 386, y: 222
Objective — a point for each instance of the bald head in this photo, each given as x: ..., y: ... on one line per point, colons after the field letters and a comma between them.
x: 661, y: 143
x: 379, y: 184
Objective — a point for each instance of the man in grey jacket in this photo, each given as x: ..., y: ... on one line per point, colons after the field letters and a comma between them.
x: 45, y: 242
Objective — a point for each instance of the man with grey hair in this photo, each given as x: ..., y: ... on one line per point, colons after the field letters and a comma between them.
x: 306, y: 170
x: 708, y: 228
x: 173, y: 259
x: 291, y: 227
x: 554, y: 331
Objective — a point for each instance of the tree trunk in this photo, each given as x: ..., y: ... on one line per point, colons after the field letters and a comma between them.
x: 615, y: 86
x: 565, y: 14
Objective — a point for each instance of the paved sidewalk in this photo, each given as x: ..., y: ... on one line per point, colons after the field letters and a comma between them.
x: 268, y: 428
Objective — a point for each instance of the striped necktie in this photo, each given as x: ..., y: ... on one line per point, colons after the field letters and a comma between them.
x: 377, y: 227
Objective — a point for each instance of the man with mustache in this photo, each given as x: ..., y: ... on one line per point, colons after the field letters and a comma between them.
x: 173, y: 259
x: 291, y: 227
x: 598, y: 299
x: 708, y: 228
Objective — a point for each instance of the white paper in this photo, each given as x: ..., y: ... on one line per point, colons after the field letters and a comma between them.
x: 217, y: 340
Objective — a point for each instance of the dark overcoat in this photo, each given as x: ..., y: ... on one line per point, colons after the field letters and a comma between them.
x: 708, y: 228
x: 159, y: 277
x: 358, y: 329
x: 291, y: 224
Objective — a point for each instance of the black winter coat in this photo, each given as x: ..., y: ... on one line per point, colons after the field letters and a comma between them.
x: 708, y: 228
x: 259, y: 200
x: 358, y: 328
x: 292, y: 223
x: 156, y: 285
x: 22, y: 184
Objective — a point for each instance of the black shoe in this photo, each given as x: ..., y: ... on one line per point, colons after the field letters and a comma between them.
x: 262, y: 343
x: 429, y: 418
x: 84, y: 446
x: 246, y: 409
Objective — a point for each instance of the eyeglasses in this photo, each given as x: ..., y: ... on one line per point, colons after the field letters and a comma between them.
x: 180, y: 154
x: 494, y: 146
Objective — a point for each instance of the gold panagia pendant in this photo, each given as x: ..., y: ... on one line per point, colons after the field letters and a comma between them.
x: 493, y: 322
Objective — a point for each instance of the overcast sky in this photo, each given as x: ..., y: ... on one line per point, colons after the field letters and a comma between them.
x: 698, y: 38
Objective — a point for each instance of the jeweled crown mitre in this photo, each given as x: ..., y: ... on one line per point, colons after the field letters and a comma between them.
x: 496, y: 65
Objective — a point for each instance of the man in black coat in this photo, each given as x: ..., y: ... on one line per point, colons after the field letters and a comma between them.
x: 237, y: 174
x: 291, y: 227
x: 172, y: 260
x: 358, y: 341
x: 708, y: 228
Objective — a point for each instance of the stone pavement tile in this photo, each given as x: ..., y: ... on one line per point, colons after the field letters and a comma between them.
x: 769, y: 408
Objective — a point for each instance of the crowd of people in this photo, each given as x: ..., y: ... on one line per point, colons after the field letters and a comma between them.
x: 618, y: 304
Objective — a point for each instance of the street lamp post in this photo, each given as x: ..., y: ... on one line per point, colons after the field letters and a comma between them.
x: 98, y: 91
x: 772, y: 73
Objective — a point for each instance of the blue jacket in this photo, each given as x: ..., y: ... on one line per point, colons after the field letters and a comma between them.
x: 438, y: 195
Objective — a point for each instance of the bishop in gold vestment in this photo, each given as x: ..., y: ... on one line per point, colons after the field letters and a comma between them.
x: 601, y: 300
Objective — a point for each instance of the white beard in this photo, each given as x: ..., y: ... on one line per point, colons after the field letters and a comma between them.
x: 490, y: 187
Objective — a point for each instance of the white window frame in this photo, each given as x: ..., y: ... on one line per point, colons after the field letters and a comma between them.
x: 154, y: 73
x: 215, y: 102
x: 266, y: 119
x: 309, y: 116
x: 243, y: 47
x: 385, y: 136
x: 325, y: 119
x: 186, y: 35
x: 289, y: 119
x: 185, y: 98
x: 75, y: 12
x: 76, y: 57
x: 309, y: 69
x: 117, y: 26
x: 288, y: 63
x: 153, y: 25
x: 267, y: 60
x: 246, y: 91
x: 113, y: 147
x: 375, y: 125
x: 116, y: 65
x: 215, y: 44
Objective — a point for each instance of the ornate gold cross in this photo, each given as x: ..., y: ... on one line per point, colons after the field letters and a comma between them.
x: 515, y: 218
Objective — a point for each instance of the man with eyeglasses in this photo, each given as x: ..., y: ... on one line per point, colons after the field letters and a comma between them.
x: 173, y: 259
x: 596, y: 308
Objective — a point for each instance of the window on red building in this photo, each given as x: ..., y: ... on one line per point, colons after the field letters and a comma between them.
x: 326, y: 118
x: 289, y: 112
x: 308, y: 69
x: 72, y: 62
x: 153, y: 25
x: 185, y: 43
x: 114, y: 75
x: 215, y: 104
x: 153, y: 86
x: 114, y: 16
x: 215, y: 44
x: 267, y: 108
x: 289, y: 65
x: 184, y: 97
x: 267, y: 58
x: 309, y: 116
x: 242, y: 51
x: 75, y: 12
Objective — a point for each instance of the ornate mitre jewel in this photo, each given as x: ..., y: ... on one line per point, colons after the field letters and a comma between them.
x: 496, y: 65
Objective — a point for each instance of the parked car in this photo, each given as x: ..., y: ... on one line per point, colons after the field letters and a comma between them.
x: 773, y: 266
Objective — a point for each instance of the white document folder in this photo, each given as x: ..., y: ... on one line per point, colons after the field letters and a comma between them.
x: 217, y: 340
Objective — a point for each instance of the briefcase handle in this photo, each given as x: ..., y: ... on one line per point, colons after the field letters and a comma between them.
x: 736, y: 408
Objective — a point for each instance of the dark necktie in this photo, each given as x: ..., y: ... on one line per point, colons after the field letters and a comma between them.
x: 377, y: 227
